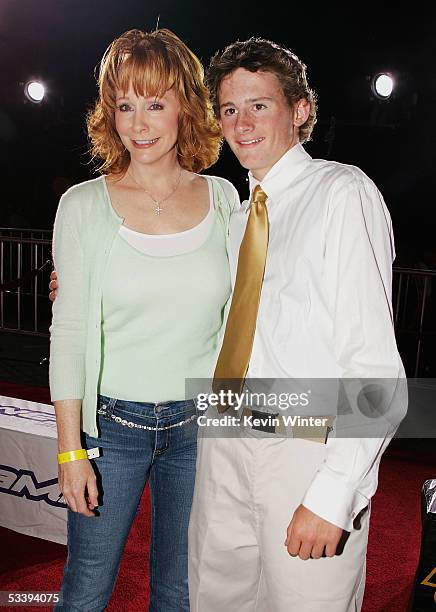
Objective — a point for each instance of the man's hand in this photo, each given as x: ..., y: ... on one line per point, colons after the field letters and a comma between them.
x: 309, y: 535
x: 53, y: 286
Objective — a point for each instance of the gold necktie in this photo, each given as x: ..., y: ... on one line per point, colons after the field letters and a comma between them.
x: 234, y: 357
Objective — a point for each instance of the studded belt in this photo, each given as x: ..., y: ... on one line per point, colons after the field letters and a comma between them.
x: 132, y: 425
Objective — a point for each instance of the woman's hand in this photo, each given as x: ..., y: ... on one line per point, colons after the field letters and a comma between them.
x: 53, y: 286
x: 78, y: 484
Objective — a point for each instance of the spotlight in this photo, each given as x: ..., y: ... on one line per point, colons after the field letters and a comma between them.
x: 382, y: 86
x: 35, y: 91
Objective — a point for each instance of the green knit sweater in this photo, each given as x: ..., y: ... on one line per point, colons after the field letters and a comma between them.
x: 85, y: 228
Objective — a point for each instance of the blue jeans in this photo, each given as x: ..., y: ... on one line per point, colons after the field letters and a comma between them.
x: 129, y: 457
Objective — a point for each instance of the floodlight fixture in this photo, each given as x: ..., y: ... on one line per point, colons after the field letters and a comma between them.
x: 34, y: 91
x: 382, y: 85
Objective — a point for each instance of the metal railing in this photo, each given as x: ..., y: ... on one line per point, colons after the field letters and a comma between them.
x: 25, y: 266
x: 414, y: 307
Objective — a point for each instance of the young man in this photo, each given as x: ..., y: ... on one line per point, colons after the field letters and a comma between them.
x: 280, y: 523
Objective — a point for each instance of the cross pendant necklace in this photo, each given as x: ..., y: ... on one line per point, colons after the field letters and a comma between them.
x: 157, y: 208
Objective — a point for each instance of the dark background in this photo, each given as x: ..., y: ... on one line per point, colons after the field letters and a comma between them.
x: 43, y: 148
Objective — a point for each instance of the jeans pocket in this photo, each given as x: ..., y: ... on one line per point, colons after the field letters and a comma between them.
x: 189, y: 424
x: 105, y: 407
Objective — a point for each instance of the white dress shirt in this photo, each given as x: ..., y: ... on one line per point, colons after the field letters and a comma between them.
x: 325, y: 308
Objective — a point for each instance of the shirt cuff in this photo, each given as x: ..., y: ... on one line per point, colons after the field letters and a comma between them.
x: 334, y: 501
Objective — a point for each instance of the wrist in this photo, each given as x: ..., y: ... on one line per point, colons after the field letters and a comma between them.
x: 70, y: 445
x: 78, y: 455
x: 72, y: 455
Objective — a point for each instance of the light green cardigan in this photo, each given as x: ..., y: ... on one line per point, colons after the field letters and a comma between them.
x: 85, y: 227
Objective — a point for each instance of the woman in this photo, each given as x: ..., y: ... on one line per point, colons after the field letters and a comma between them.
x: 141, y: 257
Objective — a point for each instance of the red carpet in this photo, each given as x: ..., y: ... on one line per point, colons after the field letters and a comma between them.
x: 33, y: 394
x: 33, y: 564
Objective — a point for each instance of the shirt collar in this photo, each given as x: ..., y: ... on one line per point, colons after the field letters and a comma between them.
x: 283, y: 173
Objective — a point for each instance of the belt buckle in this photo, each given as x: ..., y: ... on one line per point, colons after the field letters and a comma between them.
x: 262, y: 416
x: 316, y: 433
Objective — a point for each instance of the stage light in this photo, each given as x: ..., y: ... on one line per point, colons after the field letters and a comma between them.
x: 382, y: 86
x: 35, y: 91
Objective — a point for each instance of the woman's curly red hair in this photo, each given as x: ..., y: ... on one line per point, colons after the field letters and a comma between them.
x: 153, y: 62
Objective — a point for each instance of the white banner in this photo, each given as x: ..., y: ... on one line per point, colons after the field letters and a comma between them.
x: 29, y: 492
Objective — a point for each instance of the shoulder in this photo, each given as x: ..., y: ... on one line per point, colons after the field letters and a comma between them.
x: 83, y: 198
x: 355, y: 200
x: 346, y: 188
x: 341, y: 178
x: 227, y: 193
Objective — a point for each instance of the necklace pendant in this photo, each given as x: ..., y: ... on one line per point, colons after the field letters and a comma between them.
x: 158, y: 209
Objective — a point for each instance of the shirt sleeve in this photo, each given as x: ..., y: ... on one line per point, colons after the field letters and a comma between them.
x: 68, y: 328
x: 231, y: 200
x: 359, y: 251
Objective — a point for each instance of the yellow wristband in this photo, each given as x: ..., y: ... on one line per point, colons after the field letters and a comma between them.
x: 72, y: 455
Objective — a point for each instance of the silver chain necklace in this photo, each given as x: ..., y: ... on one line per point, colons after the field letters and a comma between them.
x: 158, y: 203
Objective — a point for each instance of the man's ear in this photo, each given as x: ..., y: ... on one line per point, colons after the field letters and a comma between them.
x: 301, y: 112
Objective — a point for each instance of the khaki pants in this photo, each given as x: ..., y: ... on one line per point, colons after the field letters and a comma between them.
x: 246, y: 491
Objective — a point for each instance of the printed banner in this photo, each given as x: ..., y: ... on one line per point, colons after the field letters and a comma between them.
x: 29, y: 493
